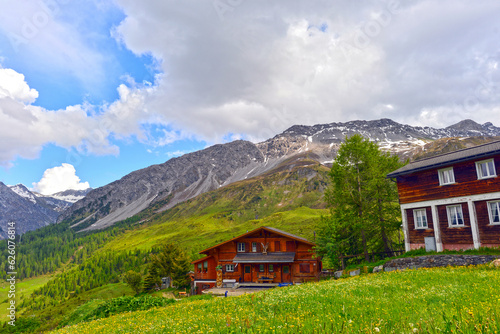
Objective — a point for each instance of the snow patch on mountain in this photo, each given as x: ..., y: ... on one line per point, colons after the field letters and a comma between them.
x: 22, y: 191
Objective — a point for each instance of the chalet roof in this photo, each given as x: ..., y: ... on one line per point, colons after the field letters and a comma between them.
x: 472, y: 153
x: 270, y: 229
x: 278, y: 257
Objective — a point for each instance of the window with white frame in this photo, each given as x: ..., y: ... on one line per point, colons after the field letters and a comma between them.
x: 486, y: 169
x: 254, y: 247
x: 230, y: 267
x: 241, y: 247
x: 420, y: 218
x: 446, y: 176
x: 494, y: 212
x: 455, y: 215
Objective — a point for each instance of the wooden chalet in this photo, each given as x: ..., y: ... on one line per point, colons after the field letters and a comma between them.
x: 265, y: 255
x: 452, y: 201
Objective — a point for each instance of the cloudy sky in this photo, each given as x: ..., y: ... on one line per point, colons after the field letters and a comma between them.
x: 92, y: 90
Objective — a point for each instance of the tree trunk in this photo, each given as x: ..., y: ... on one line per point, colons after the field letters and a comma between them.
x: 385, y: 238
x: 365, y: 247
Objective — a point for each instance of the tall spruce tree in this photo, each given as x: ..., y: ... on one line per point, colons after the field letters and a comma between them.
x: 171, y: 262
x: 364, y: 211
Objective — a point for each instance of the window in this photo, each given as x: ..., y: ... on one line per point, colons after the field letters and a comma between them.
x: 261, y: 268
x: 420, y: 217
x: 286, y: 269
x: 277, y: 246
x: 241, y: 247
x: 254, y: 247
x: 494, y: 212
x: 271, y: 268
x: 305, y: 268
x: 230, y: 267
x: 199, y: 267
x: 205, y: 266
x: 455, y: 216
x: 446, y: 176
x: 485, y: 169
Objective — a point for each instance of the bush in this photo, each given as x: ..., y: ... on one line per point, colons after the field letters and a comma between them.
x: 125, y: 304
x: 134, y: 280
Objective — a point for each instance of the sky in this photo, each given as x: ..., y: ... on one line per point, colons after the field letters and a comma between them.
x: 93, y: 90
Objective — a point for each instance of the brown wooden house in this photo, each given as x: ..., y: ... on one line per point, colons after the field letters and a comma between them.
x: 264, y: 255
x: 452, y: 201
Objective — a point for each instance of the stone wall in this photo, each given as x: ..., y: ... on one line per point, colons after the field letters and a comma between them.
x: 437, y: 261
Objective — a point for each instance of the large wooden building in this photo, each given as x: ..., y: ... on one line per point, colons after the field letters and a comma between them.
x: 264, y: 255
x: 452, y: 201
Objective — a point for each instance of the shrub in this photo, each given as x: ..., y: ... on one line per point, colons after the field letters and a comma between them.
x: 125, y: 304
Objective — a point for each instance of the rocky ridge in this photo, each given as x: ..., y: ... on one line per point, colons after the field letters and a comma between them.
x: 30, y: 210
x: 187, y: 176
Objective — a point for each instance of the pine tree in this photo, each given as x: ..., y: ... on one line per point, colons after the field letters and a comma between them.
x: 133, y: 280
x: 364, y: 212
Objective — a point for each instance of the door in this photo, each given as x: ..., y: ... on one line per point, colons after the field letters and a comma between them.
x: 247, y: 273
x: 285, y: 274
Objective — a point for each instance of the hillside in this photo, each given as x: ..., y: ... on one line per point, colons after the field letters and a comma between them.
x: 31, y: 210
x: 452, y: 299
x: 190, y: 175
x: 289, y: 197
x: 285, y: 192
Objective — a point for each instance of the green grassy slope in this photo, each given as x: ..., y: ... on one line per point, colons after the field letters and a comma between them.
x: 439, y: 300
x: 289, y: 198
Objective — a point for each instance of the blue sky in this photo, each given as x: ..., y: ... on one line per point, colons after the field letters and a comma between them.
x: 92, y: 90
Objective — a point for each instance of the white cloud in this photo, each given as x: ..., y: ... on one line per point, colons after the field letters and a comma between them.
x: 12, y: 85
x: 54, y: 38
x: 58, y: 179
x: 256, y: 68
x: 25, y: 128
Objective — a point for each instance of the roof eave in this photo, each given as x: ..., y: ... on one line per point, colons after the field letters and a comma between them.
x: 253, y: 231
x: 442, y: 164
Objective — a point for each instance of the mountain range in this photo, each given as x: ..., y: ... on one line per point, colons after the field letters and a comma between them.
x: 30, y: 210
x: 179, y: 179
x: 190, y: 175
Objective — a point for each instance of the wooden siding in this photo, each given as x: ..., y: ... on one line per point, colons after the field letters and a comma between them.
x: 209, y: 274
x: 455, y: 235
x: 417, y: 236
x: 224, y: 254
x: 424, y: 185
x: 488, y: 234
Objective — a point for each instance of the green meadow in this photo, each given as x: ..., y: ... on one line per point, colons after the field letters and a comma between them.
x: 24, y: 289
x: 439, y: 300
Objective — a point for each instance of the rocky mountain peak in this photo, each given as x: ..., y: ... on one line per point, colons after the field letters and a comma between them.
x: 185, y: 177
x: 466, y: 125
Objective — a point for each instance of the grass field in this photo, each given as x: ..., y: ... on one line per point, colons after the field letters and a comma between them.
x: 198, y: 233
x: 24, y: 289
x: 68, y: 311
x: 440, y: 300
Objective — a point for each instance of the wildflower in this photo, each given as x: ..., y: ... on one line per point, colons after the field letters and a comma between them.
x: 376, y: 329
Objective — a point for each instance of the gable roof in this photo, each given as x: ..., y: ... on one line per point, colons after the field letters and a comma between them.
x: 270, y: 229
x: 476, y: 152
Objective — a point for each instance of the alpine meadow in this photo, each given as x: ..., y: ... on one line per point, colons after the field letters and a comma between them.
x: 232, y: 166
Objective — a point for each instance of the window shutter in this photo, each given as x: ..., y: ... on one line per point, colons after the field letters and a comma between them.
x: 259, y: 247
x: 247, y: 248
x: 277, y: 246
